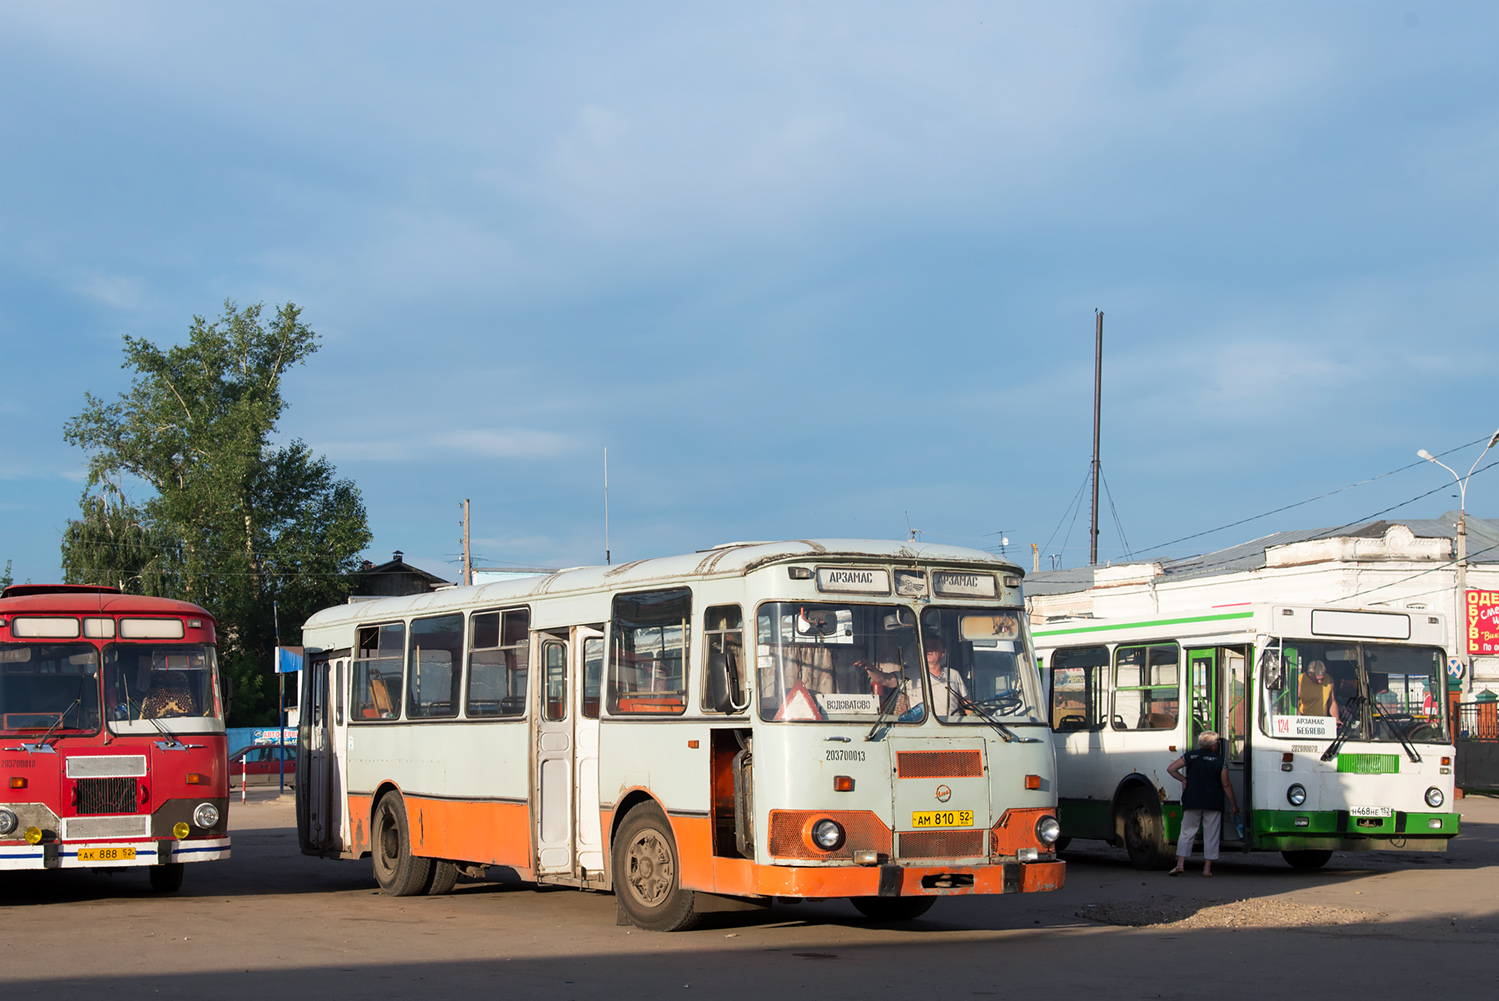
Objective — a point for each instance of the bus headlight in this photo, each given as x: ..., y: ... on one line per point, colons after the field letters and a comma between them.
x: 1048, y: 830
x: 827, y: 835
x: 1434, y: 797
x: 206, y: 815
x: 8, y: 822
x: 1296, y: 795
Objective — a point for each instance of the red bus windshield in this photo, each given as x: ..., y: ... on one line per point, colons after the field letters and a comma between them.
x: 49, y: 687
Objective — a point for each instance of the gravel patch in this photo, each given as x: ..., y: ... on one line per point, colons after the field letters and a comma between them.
x: 1269, y: 912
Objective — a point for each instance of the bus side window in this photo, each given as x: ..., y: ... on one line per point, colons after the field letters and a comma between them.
x: 378, y: 671
x: 1079, y: 688
x: 498, y: 663
x: 723, y: 660
x: 1145, y: 687
x: 435, y: 656
x: 651, y: 634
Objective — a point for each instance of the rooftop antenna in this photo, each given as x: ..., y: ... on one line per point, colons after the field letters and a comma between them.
x: 1002, y: 540
x: 914, y: 531
x: 606, y: 505
x: 1097, y: 398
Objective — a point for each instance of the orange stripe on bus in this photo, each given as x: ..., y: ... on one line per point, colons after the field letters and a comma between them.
x: 489, y: 833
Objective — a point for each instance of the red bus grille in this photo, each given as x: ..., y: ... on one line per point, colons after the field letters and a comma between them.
x: 939, y: 764
x: 941, y: 844
x: 106, y: 796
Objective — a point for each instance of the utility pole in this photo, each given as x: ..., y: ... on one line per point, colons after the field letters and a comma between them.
x: 1097, y: 402
x: 468, y: 560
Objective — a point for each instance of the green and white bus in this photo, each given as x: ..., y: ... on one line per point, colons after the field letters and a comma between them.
x: 1334, y: 720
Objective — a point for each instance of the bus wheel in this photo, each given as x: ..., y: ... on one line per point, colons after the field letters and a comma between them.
x: 167, y: 878
x: 1144, y: 834
x: 1061, y: 845
x: 399, y: 873
x: 1306, y: 858
x: 890, y: 909
x: 647, y: 875
x: 444, y: 876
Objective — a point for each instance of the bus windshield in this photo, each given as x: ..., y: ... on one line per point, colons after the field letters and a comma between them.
x: 980, y: 666
x: 49, y: 686
x: 838, y: 662
x: 144, y: 681
x: 1373, y: 691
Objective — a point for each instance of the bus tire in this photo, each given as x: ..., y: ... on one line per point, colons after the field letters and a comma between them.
x: 399, y: 873
x: 167, y: 878
x: 888, y: 910
x: 1061, y: 845
x: 1144, y: 832
x: 444, y: 876
x: 1307, y: 858
x: 647, y: 873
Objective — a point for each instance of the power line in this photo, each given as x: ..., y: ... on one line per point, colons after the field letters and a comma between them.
x: 1309, y: 500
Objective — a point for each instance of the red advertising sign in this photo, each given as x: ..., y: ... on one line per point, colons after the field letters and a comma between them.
x: 1483, y: 622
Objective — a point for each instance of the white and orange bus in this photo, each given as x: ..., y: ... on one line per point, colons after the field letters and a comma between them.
x: 756, y: 721
x: 111, y: 733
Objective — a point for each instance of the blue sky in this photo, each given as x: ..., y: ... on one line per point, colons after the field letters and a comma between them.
x: 805, y: 269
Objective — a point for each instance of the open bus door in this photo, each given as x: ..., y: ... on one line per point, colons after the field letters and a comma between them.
x: 1219, y: 682
x: 319, y: 819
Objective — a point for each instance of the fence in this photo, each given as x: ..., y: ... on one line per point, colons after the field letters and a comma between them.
x: 1477, y: 721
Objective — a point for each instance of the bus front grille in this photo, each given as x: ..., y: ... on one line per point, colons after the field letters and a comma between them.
x: 106, y: 796
x: 939, y: 764
x: 941, y: 844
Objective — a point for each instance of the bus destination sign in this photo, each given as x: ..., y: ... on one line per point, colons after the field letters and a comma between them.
x: 953, y: 584
x: 853, y: 580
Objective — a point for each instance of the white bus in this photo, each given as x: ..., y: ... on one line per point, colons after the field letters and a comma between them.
x: 1335, y: 723
x: 746, y: 723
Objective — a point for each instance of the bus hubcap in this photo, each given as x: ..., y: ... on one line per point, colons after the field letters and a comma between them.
x: 650, y: 868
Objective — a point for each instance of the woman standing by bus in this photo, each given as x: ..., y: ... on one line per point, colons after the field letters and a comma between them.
x: 1204, y: 787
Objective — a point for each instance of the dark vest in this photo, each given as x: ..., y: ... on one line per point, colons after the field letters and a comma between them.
x: 1204, y: 789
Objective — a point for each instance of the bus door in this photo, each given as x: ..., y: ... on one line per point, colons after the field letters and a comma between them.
x: 318, y: 733
x: 1234, y: 672
x: 588, y: 676
x: 1218, y: 679
x: 554, y: 761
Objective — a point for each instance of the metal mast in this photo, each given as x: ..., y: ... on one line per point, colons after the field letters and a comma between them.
x: 1097, y: 401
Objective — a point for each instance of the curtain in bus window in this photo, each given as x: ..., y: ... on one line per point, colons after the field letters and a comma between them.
x: 1079, y: 688
x: 1146, y: 680
x: 651, y: 632
x: 498, y: 664
x: 436, y: 650
x: 854, y: 663
x: 379, y: 671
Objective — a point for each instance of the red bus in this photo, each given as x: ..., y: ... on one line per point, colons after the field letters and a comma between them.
x: 112, y: 746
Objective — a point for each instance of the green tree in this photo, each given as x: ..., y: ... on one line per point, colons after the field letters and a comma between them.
x: 233, y: 521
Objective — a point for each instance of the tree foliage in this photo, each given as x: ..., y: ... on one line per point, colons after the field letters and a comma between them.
x: 234, y: 521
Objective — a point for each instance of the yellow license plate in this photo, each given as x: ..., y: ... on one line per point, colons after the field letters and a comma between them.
x: 122, y: 854
x: 942, y: 818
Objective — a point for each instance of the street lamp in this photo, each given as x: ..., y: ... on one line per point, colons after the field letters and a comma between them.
x: 1460, y: 621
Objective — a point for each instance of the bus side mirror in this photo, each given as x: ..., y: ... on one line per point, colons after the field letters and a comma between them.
x: 226, y: 689
x: 1270, y: 670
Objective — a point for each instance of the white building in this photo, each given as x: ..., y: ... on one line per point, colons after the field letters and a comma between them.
x: 1410, y: 564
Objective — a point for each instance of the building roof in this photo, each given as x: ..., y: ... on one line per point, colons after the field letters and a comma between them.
x: 1483, y: 547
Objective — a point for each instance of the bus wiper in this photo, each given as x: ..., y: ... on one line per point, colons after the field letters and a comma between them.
x: 892, y: 698
x: 131, y: 704
x: 988, y: 717
x: 1345, y: 727
x: 64, y: 714
x: 1379, y: 714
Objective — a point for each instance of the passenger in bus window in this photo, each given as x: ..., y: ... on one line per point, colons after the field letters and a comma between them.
x: 1314, y: 695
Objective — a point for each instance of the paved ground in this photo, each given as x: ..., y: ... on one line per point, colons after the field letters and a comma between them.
x: 270, y: 922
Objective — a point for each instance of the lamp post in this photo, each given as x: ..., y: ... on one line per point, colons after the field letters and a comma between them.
x: 1460, y: 621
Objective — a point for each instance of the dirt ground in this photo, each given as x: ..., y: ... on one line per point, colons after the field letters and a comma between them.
x: 271, y: 922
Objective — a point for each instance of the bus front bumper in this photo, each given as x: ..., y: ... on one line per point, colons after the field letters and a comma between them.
x: 109, y: 854
x: 896, y: 880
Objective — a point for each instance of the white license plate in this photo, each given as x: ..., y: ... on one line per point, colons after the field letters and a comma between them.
x: 1371, y: 811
